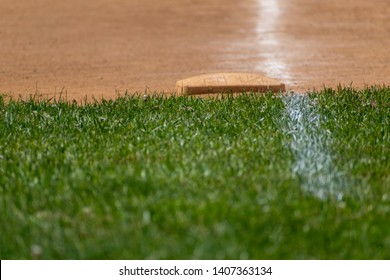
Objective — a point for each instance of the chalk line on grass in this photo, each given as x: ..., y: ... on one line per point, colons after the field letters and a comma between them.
x: 310, y: 145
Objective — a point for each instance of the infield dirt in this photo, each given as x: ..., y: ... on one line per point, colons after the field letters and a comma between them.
x: 104, y: 47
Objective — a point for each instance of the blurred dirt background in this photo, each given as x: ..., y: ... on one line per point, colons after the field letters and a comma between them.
x: 102, y: 48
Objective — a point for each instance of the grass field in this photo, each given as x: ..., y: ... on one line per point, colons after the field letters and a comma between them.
x: 252, y: 177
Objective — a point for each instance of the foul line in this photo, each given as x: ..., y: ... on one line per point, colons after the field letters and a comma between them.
x: 309, y: 143
x: 268, y: 39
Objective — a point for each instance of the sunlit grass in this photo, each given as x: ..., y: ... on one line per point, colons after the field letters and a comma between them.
x: 192, y: 178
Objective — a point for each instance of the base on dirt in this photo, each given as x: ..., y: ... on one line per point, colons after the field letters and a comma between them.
x: 228, y: 83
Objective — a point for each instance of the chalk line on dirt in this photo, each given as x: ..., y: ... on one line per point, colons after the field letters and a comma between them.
x: 268, y: 17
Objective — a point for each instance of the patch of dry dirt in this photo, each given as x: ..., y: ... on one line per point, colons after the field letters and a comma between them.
x: 104, y: 47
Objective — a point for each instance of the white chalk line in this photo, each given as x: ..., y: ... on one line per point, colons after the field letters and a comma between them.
x: 310, y: 145
x: 268, y: 39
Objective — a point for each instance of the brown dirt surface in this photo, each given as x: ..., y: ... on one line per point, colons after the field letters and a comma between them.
x: 100, y: 48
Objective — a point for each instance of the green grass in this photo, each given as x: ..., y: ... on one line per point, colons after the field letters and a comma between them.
x: 188, y: 178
